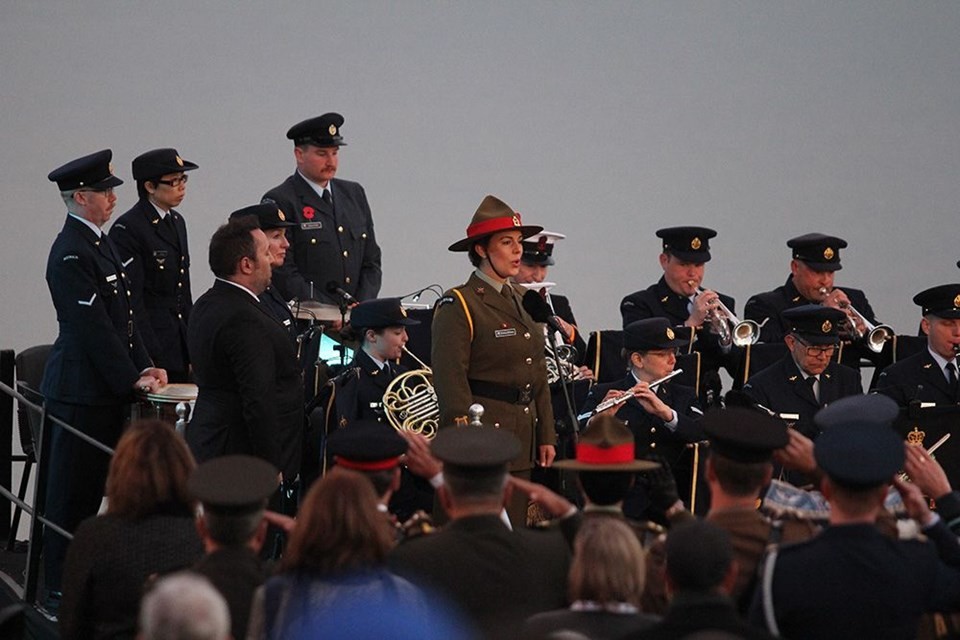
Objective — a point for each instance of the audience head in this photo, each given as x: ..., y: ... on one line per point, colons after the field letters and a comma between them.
x: 742, y: 442
x: 372, y: 449
x: 699, y: 558
x: 608, y: 563
x: 149, y: 472
x: 184, y: 606
x: 474, y: 466
x: 234, y: 491
x: 339, y: 528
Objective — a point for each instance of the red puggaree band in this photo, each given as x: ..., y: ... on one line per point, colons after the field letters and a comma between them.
x: 492, y: 226
x: 368, y: 465
x: 605, y: 455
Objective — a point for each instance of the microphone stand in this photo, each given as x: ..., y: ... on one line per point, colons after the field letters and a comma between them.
x: 571, y: 414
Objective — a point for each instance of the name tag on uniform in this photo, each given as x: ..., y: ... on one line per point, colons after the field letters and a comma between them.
x: 504, y: 333
x: 307, y: 226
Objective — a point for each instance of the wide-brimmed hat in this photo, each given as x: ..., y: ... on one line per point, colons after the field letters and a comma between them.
x: 606, y: 445
x: 493, y: 215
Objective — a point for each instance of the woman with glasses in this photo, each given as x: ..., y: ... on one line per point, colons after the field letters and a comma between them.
x: 664, y: 418
x: 152, y: 240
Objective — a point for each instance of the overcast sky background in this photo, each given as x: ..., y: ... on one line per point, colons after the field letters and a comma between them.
x: 601, y: 120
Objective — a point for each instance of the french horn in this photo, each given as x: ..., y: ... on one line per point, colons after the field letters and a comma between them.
x: 410, y: 401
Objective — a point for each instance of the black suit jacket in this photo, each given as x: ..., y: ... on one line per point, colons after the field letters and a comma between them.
x: 156, y: 257
x: 690, y: 613
x: 660, y: 301
x: 917, y: 378
x: 250, y: 389
x: 770, y: 304
x: 329, y: 242
x: 561, y: 307
x: 782, y: 388
x: 496, y: 576
x: 99, y: 354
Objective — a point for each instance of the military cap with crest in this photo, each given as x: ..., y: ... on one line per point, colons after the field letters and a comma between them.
x: 538, y: 249
x: 93, y: 172
x: 366, y: 445
x: 858, y: 447
x: 606, y: 445
x: 234, y: 484
x: 814, y: 323
x: 744, y: 435
x: 491, y: 216
x: 942, y: 301
x: 322, y: 131
x: 470, y: 449
x: 379, y: 313
x: 818, y: 251
x: 690, y: 244
x: 651, y: 334
x: 267, y: 214
x: 157, y: 163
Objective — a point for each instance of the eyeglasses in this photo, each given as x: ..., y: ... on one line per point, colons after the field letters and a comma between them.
x: 176, y: 182
x: 826, y: 350
x: 107, y: 192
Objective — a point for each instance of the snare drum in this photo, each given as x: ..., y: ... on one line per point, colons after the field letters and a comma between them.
x: 172, y: 404
x: 310, y: 310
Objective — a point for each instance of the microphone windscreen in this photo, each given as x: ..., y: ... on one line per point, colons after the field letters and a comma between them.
x: 536, y: 306
x: 332, y: 286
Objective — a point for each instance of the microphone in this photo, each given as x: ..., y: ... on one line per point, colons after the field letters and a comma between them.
x: 540, y: 311
x: 334, y: 289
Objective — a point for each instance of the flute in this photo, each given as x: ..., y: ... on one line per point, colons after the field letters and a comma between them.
x: 612, y: 402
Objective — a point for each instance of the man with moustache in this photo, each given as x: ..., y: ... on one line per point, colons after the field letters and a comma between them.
x: 151, y: 239
x: 97, y: 361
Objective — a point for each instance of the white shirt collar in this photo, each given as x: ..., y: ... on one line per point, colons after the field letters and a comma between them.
x: 163, y: 213
x: 97, y: 230
x: 316, y: 186
x: 241, y: 287
x: 940, y: 360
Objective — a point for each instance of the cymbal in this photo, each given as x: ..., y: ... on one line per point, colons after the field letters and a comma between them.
x: 177, y: 392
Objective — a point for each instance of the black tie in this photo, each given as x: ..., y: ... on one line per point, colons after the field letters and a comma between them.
x: 812, y: 381
x: 952, y: 379
x: 326, y: 197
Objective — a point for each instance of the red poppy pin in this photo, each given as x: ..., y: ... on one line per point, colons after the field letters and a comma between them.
x: 308, y: 213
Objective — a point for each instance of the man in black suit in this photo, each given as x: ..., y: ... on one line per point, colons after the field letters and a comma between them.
x: 97, y: 361
x: 679, y: 297
x: 496, y: 576
x: 851, y: 580
x: 333, y: 239
x: 806, y: 379
x: 250, y: 393
x: 816, y: 259
x: 151, y: 239
x: 931, y: 375
x: 663, y: 420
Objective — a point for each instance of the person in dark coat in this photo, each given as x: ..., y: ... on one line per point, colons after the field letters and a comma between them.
x: 680, y: 297
x: 99, y: 358
x: 250, y: 393
x: 805, y: 379
x: 333, y: 239
x: 663, y: 420
x: 851, y: 580
x: 498, y: 577
x: 234, y: 491
x: 151, y: 239
x: 930, y: 375
x: 815, y: 261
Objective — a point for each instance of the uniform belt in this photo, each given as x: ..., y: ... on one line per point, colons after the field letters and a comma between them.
x: 500, y: 392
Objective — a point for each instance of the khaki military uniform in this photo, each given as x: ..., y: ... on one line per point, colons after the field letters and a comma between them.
x: 484, y: 340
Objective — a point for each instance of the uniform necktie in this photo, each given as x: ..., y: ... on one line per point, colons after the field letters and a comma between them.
x: 952, y: 379
x: 327, y: 197
x: 814, y: 387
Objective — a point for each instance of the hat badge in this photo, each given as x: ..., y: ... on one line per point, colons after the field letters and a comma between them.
x: 956, y: 301
x: 179, y: 161
x: 695, y: 244
x: 333, y: 129
x: 403, y: 312
x: 826, y: 326
x: 280, y: 215
x: 828, y: 253
x: 670, y: 334
x: 109, y: 168
x: 516, y: 220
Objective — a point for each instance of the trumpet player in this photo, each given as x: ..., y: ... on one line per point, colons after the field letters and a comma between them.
x: 815, y: 261
x: 806, y: 379
x: 931, y: 375
x: 679, y: 297
x: 663, y: 419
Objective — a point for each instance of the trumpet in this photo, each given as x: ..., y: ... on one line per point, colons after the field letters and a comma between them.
x: 410, y: 401
x: 612, y: 402
x: 731, y: 329
x: 873, y: 335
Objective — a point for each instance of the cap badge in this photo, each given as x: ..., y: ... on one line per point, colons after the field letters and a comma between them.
x: 516, y: 220
x: 110, y: 168
x: 179, y: 161
x: 670, y: 334
x: 916, y: 437
x: 695, y: 244
x: 541, y: 243
x: 956, y: 301
x: 828, y: 253
x: 280, y: 215
x: 826, y: 326
x: 403, y: 312
x: 333, y: 129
